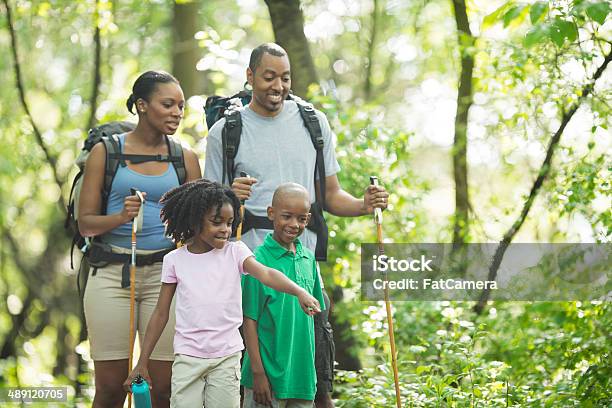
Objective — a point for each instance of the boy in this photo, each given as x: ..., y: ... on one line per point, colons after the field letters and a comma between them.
x: 279, y: 367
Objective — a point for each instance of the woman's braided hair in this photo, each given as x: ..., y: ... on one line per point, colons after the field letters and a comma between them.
x: 185, y: 206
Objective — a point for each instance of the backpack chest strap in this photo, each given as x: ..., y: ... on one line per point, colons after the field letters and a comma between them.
x: 143, y: 158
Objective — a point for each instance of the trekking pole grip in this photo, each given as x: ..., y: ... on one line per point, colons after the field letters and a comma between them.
x: 378, y: 218
x: 239, y: 229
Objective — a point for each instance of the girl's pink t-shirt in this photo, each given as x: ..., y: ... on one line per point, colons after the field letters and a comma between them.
x: 208, y: 299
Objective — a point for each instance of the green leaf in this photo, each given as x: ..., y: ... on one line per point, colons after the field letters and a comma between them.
x: 536, y: 34
x: 598, y: 11
x: 568, y: 30
x: 491, y: 19
x: 537, y: 10
x: 423, y: 369
x: 555, y: 33
x: 513, y: 13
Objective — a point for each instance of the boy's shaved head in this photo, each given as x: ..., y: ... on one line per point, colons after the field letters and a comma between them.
x: 290, y: 190
x: 289, y: 213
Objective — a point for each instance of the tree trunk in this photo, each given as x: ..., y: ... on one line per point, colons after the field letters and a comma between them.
x: 288, y: 25
x: 375, y: 18
x: 464, y: 101
x: 95, y: 91
x: 185, y: 50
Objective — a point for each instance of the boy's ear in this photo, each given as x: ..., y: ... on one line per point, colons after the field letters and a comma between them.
x: 249, y: 75
x: 271, y: 213
x: 308, y: 218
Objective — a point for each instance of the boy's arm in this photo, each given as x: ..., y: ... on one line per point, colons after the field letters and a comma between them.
x: 278, y: 281
x: 262, y: 392
x: 156, y: 326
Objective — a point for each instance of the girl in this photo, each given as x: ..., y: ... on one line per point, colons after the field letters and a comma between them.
x: 159, y: 103
x: 206, y: 274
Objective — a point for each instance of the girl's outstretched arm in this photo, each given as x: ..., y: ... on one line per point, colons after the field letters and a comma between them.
x: 156, y: 326
x: 278, y: 281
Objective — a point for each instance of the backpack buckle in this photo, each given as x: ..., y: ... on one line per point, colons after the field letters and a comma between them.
x: 230, y: 118
x: 319, y: 143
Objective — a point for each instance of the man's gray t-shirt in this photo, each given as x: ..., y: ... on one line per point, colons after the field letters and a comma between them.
x: 274, y: 150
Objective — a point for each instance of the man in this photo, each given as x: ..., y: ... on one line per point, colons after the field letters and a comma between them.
x: 275, y: 148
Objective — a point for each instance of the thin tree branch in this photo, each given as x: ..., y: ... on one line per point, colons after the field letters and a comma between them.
x: 19, y: 82
x: 544, y: 171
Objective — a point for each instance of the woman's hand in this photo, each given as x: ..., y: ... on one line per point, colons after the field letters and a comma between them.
x: 140, y: 370
x: 131, y: 206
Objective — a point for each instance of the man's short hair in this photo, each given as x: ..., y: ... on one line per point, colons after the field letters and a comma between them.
x: 267, y: 48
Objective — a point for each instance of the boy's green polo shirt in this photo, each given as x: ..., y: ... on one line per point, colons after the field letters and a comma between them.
x: 286, y: 333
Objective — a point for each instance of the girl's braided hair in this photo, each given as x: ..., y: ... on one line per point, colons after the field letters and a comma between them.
x: 185, y: 206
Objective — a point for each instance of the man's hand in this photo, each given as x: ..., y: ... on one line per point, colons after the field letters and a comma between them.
x: 375, y: 197
x: 262, y: 392
x: 242, y: 187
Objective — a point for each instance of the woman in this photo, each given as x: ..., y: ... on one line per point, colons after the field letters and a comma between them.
x: 159, y: 103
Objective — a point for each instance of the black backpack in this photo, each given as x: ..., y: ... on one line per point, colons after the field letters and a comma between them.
x: 217, y: 107
x: 108, y: 134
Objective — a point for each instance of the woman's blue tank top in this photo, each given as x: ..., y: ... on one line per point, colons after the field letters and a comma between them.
x: 152, y: 236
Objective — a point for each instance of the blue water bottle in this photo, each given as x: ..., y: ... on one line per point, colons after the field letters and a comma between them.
x: 140, y: 391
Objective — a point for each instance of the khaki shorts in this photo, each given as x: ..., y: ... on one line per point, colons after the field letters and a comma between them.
x: 107, y: 311
x: 212, y: 382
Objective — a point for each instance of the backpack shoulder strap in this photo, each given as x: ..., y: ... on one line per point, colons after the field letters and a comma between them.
x: 177, y: 158
x: 311, y: 121
x: 230, y: 140
x: 113, y: 157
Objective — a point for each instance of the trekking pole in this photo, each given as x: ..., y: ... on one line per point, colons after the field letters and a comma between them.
x: 239, y: 229
x: 378, y: 220
x: 133, y: 284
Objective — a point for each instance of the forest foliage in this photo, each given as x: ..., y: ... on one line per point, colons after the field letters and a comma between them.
x: 506, y: 101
